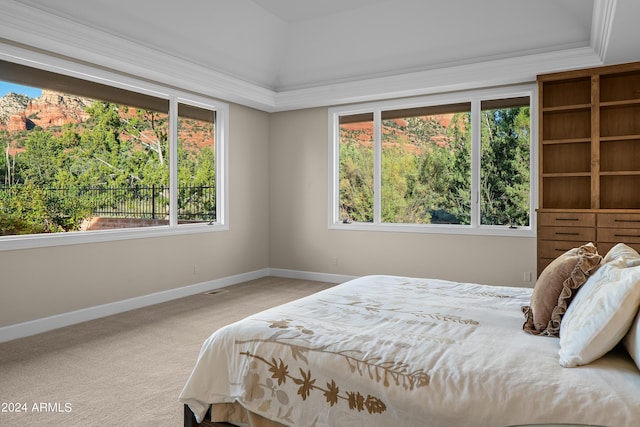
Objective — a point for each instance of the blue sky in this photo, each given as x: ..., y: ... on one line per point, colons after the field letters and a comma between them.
x: 5, y: 88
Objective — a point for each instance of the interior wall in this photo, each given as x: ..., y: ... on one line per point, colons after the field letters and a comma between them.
x: 41, y: 282
x: 300, y: 238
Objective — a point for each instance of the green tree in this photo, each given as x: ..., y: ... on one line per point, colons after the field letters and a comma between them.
x: 356, y: 182
x: 505, y: 166
x: 148, y: 129
x: 117, y: 147
x: 31, y: 209
x: 419, y: 169
x: 426, y: 170
x: 42, y: 160
x: 459, y: 194
x: 398, y: 166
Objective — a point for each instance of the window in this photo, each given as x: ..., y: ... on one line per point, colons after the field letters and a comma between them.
x: 505, y: 192
x: 80, y: 156
x: 196, y: 164
x: 435, y: 164
x: 356, y: 167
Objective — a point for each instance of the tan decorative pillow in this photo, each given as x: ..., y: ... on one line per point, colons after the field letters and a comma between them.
x: 556, y: 287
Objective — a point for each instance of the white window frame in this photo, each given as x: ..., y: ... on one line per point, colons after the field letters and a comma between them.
x: 174, y: 96
x: 474, y: 98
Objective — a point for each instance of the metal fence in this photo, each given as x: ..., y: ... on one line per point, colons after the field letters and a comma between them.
x: 148, y: 202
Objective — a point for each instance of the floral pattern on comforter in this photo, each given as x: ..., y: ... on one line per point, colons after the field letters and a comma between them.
x: 378, y: 351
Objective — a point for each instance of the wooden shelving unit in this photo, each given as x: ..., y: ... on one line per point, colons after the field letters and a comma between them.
x: 589, y: 152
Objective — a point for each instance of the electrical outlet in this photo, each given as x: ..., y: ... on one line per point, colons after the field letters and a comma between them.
x: 528, y: 276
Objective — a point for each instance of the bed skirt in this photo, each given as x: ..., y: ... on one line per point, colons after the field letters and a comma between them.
x: 234, y: 413
x: 230, y: 413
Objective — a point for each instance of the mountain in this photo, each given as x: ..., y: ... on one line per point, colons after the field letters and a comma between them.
x: 53, y: 109
x: 12, y: 104
x: 20, y: 112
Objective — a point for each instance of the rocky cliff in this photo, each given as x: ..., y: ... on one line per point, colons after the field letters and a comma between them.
x: 19, y: 112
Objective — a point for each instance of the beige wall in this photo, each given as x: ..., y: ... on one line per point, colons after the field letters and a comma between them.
x: 278, y: 207
x: 38, y: 283
x: 300, y: 240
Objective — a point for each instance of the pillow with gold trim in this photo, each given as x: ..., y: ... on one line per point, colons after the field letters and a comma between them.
x: 555, y: 289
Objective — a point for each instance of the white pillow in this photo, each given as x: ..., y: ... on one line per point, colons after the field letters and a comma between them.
x: 632, y: 340
x: 620, y: 250
x: 600, y: 314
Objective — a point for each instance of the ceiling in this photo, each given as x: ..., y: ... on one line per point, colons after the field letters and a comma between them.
x: 291, y: 45
x: 292, y: 11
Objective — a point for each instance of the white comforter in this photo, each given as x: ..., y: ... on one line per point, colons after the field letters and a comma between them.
x: 396, y: 351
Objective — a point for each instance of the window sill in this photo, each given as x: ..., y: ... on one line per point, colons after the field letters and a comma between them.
x: 31, y: 241
x: 486, y: 230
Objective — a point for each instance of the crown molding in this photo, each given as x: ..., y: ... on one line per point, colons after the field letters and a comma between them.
x: 601, y: 25
x: 502, y: 72
x: 31, y: 32
x: 44, y: 31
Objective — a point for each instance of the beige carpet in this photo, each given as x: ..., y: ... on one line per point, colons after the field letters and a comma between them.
x: 127, y: 369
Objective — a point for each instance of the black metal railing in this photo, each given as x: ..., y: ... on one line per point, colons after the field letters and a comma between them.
x: 146, y: 202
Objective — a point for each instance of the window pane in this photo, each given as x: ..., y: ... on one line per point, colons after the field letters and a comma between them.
x: 196, y: 164
x: 356, y: 168
x: 426, y: 165
x: 505, y: 163
x: 73, y: 163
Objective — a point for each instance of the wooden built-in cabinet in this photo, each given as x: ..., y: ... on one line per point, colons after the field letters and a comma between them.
x: 589, y: 153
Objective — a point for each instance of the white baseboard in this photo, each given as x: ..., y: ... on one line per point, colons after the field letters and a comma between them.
x: 32, y: 327
x: 45, y: 324
x: 308, y: 275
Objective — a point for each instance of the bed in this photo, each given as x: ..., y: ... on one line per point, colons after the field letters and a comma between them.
x: 400, y: 351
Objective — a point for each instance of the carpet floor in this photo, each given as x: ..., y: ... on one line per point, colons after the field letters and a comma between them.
x: 127, y: 369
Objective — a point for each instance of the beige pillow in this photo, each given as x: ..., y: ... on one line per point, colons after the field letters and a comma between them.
x: 555, y: 288
x: 601, y: 313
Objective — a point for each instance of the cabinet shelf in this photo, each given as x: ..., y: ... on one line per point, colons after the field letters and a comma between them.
x: 619, y: 138
x: 619, y: 173
x: 566, y: 124
x: 589, y: 156
x: 565, y: 174
x: 620, y: 86
x: 620, y: 120
x: 589, y: 139
x: 622, y: 103
x: 561, y: 108
x: 566, y: 93
x: 566, y: 141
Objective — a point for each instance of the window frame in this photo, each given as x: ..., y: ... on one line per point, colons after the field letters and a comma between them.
x: 475, y: 97
x: 174, y: 96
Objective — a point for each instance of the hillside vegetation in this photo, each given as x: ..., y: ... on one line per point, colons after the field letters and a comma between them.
x: 60, y: 141
x: 426, y: 169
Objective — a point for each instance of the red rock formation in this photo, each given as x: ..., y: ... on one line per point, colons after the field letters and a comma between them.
x: 17, y: 122
x: 56, y: 109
